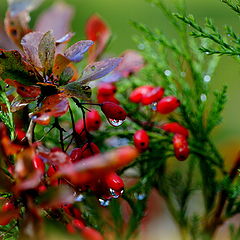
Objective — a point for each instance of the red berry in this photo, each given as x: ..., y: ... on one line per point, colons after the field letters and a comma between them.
x: 153, y: 96
x: 89, y: 149
x: 175, y: 127
x: 20, y: 134
x: 106, y: 89
x: 8, y: 206
x: 75, y: 226
x: 114, y: 183
x: 167, y: 104
x: 93, y: 120
x: 137, y: 94
x: 38, y: 164
x: 91, y: 234
x: 141, y: 140
x: 113, y: 111
x: 111, y: 98
x: 180, y: 146
x: 51, y: 171
x: 76, y: 155
x: 56, y: 149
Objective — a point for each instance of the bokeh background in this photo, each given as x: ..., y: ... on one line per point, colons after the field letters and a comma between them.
x: 118, y: 15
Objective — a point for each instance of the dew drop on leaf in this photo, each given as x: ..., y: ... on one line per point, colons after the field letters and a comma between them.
x: 79, y: 198
x: 104, y: 202
x: 115, y: 122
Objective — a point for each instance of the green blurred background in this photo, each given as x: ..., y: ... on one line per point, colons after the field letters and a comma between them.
x: 118, y: 15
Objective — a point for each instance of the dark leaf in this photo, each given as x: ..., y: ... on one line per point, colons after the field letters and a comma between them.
x: 12, y: 66
x: 97, y: 31
x: 6, y: 183
x: 66, y: 76
x: 75, y: 89
x: 99, y: 69
x: 16, y: 26
x: 19, y: 103
x: 76, y: 51
x: 54, y: 105
x: 46, y: 51
x: 56, y: 196
x: 94, y: 167
x: 30, y: 43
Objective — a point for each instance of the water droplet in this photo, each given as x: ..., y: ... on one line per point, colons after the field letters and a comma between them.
x: 79, y: 198
x: 154, y: 106
x: 115, y: 122
x: 167, y: 73
x: 104, y: 202
x: 141, y: 46
x: 93, y: 68
x: 203, y: 97
x: 207, y: 53
x: 207, y: 78
x: 115, y: 194
x: 140, y: 196
x: 183, y: 74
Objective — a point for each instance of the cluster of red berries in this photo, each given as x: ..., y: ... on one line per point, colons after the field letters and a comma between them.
x: 148, y: 94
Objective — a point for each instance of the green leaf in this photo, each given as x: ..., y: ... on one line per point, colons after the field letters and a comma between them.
x: 12, y: 66
x: 46, y: 51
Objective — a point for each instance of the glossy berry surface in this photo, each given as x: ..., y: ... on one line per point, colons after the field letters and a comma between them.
x: 141, y: 140
x: 180, y: 146
x: 153, y: 96
x: 106, y: 89
x: 167, y: 104
x: 113, y: 111
x: 138, y: 93
x: 93, y: 120
x: 38, y: 164
x: 89, y: 149
x: 175, y: 127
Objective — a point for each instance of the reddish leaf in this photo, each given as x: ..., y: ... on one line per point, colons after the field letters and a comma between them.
x: 13, y: 67
x: 56, y: 196
x: 94, y: 167
x: 76, y: 51
x: 97, y: 31
x: 46, y: 51
x: 99, y: 69
x: 8, y: 147
x: 54, y: 105
x: 24, y: 164
x: 23, y: 90
x: 30, y: 183
x: 56, y: 18
x: 55, y: 158
x: 132, y: 63
x: 16, y: 26
x: 60, y: 64
x: 5, y: 42
x: 30, y: 43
